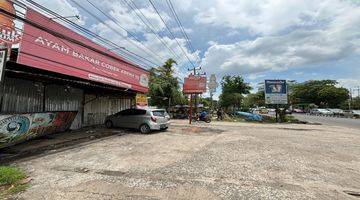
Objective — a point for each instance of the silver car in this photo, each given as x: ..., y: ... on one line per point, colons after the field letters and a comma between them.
x: 144, y: 120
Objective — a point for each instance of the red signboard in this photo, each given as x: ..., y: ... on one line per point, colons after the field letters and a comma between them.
x: 79, y: 57
x: 194, y: 84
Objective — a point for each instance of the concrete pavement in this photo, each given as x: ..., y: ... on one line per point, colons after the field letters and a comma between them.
x: 220, y: 160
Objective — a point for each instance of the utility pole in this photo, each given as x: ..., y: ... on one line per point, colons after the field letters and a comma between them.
x: 196, y: 73
x: 350, y: 98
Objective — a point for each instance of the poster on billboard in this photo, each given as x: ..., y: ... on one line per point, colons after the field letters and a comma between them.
x: 194, y: 84
x: 276, y: 92
x: 50, y: 46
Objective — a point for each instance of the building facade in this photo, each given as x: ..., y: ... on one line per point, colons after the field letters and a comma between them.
x: 54, y: 79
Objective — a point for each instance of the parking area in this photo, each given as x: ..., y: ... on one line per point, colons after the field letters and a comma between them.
x: 220, y: 160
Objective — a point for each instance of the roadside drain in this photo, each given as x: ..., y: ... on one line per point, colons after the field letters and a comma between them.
x: 352, y: 193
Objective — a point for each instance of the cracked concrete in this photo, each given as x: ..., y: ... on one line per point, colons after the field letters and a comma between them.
x: 220, y: 160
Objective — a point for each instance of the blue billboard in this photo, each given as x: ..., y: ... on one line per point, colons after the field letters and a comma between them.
x: 276, y: 92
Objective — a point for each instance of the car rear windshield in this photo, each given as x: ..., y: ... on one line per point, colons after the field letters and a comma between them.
x: 159, y: 113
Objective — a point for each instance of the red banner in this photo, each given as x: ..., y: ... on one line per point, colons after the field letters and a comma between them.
x: 80, y: 57
x: 194, y: 84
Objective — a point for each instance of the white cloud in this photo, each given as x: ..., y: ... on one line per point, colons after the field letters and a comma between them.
x: 129, y: 19
x: 255, y: 76
x: 270, y: 16
x: 177, y: 29
x: 301, y: 46
x: 64, y: 8
x: 350, y: 84
x: 154, y: 51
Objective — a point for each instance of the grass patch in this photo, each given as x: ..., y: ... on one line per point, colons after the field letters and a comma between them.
x: 10, y: 175
x: 10, y: 181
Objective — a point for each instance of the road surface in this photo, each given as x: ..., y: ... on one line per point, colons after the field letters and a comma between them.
x: 330, y: 121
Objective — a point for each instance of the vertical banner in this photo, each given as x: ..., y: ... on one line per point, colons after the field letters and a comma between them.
x: 3, y: 53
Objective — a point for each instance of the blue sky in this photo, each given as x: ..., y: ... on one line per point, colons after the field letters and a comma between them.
x: 258, y: 39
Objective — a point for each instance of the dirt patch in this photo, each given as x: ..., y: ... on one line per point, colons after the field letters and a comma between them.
x: 353, y: 193
x: 70, y: 169
x: 197, y: 129
x: 111, y: 173
x: 299, y: 129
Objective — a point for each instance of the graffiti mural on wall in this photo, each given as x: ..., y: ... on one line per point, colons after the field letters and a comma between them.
x: 21, y: 127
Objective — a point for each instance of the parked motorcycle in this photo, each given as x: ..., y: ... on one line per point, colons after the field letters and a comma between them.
x: 206, y: 119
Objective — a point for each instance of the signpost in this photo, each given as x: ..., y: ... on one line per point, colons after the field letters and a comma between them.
x: 212, y: 89
x: 276, y: 93
x: 194, y: 85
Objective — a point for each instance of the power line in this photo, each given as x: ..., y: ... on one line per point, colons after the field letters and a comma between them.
x: 171, y: 7
x: 158, y: 13
x: 148, y: 24
x: 117, y: 32
x: 61, y: 36
x: 84, y: 30
x: 81, y: 29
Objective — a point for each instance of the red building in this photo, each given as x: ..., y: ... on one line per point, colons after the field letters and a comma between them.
x: 56, y: 79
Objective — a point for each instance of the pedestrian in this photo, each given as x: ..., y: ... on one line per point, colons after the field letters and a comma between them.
x: 219, y: 114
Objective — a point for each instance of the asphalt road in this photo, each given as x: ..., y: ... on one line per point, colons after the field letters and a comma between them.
x: 331, y: 121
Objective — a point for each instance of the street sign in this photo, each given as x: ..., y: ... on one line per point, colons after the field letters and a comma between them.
x: 194, y: 84
x: 3, y: 53
x: 212, y: 83
x: 276, y: 92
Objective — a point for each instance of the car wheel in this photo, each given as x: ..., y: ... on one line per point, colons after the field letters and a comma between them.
x: 164, y: 129
x: 108, y: 124
x: 145, y: 129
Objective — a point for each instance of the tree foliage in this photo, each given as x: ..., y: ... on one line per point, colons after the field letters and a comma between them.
x: 164, y: 85
x: 254, y: 100
x: 323, y: 93
x: 233, y: 89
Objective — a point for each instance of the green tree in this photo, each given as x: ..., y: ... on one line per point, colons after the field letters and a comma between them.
x: 233, y: 89
x: 254, y: 100
x: 323, y: 93
x: 164, y: 86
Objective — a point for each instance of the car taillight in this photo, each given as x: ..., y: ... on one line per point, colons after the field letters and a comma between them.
x: 153, y: 118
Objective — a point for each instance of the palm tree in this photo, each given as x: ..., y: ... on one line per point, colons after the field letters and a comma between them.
x: 167, y: 70
x: 164, y: 84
